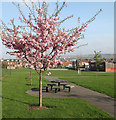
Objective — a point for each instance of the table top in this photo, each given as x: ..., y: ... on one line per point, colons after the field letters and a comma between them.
x: 57, y: 81
x: 63, y: 83
x: 51, y: 84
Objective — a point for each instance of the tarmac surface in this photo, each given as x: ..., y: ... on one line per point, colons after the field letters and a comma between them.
x: 104, y: 102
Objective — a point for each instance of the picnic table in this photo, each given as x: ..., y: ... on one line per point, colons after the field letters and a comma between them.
x: 59, y: 81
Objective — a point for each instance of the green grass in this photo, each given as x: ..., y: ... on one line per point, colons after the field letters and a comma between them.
x: 64, y: 73
x: 97, y: 81
x: 15, y: 101
x: 100, y: 83
x: 103, y: 84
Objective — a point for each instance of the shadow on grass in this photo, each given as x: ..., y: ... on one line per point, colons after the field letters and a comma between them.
x: 14, y: 100
x: 26, y: 78
x: 28, y: 84
x: 37, y: 89
x: 36, y: 105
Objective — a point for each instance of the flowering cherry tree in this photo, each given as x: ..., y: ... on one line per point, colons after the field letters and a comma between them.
x: 38, y: 38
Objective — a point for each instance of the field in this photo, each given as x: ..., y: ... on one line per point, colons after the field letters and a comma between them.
x: 98, y: 81
x: 16, y: 102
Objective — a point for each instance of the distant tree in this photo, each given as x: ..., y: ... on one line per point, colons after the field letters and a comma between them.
x: 98, y: 59
x: 39, y: 38
x: 4, y: 64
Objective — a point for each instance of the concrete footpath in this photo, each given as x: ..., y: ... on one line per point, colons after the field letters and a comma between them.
x: 104, y: 102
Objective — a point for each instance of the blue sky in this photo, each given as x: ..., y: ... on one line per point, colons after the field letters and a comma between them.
x: 99, y: 34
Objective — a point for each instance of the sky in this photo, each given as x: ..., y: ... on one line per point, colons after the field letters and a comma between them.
x: 99, y: 34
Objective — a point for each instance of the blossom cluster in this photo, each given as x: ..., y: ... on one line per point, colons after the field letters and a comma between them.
x: 41, y: 47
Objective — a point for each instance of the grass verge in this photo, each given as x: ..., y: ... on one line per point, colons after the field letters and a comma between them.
x: 15, y: 101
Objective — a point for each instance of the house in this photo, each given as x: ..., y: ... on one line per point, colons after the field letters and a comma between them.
x: 67, y: 63
x: 108, y: 65
x: 82, y: 64
x: 92, y: 66
x: 12, y: 63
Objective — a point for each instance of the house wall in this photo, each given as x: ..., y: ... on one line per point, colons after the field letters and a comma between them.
x: 110, y: 67
x: 101, y: 67
x: 8, y: 67
x: 66, y: 63
x: 12, y: 64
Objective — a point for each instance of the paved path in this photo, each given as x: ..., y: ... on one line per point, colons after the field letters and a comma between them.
x: 99, y: 100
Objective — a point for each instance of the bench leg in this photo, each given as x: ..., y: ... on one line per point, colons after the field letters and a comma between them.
x: 64, y: 87
x: 46, y: 89
x: 56, y: 90
x: 51, y: 87
x: 69, y: 89
x: 58, y: 83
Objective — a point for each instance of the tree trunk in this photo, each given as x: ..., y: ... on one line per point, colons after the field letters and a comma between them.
x: 97, y: 69
x: 78, y: 71
x: 40, y: 89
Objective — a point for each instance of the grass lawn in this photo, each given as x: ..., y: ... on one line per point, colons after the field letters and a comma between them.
x: 15, y: 100
x: 97, y: 81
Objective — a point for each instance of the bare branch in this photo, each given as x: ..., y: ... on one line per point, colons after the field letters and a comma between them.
x: 93, y: 18
x: 65, y: 19
x: 29, y: 7
x: 58, y: 10
x: 82, y: 45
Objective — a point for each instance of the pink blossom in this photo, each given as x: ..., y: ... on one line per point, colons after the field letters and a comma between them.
x: 32, y: 67
x: 47, y: 68
x: 44, y: 44
x: 42, y: 69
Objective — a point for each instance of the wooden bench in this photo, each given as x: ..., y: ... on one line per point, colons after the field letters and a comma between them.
x: 64, y: 85
x: 69, y: 87
x: 56, y: 89
x: 47, y: 86
x: 51, y: 85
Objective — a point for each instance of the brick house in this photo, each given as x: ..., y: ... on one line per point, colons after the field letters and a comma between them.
x: 12, y: 63
x: 109, y: 65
